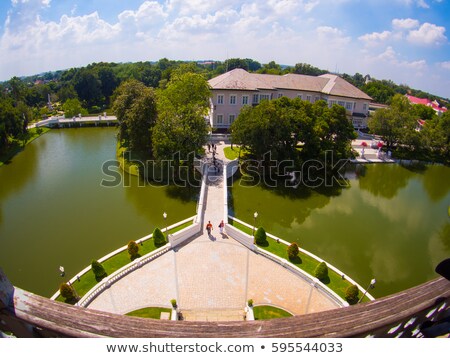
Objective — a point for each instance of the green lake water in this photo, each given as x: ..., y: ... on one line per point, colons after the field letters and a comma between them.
x: 54, y: 211
x: 391, y: 223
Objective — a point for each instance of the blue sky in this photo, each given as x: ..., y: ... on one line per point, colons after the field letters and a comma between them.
x: 403, y: 40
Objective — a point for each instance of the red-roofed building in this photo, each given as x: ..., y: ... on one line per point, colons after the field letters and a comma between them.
x: 426, y: 102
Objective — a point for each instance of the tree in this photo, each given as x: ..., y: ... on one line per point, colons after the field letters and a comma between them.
x: 423, y: 112
x: 73, y: 107
x: 159, y: 238
x: 182, y: 107
x: 351, y: 294
x: 135, y: 108
x: 67, y: 292
x: 261, y: 237
x: 133, y: 250
x: 307, y: 69
x: 293, y: 251
x: 321, y: 271
x: 88, y: 87
x: 108, y: 82
x: 98, y: 270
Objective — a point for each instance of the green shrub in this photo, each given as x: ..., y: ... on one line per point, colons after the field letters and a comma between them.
x: 351, y: 294
x: 250, y: 303
x: 98, y: 270
x: 293, y: 251
x: 133, y: 250
x: 321, y: 271
x: 261, y: 237
x: 67, y: 291
x: 159, y: 238
x: 173, y: 302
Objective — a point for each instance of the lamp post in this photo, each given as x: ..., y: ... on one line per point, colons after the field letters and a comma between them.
x: 165, y: 224
x: 255, y: 215
x: 371, y: 285
x: 61, y: 269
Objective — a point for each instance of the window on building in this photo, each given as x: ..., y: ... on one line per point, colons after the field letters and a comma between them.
x: 316, y: 99
x: 300, y: 96
x: 220, y: 99
x: 341, y: 103
x: 232, y: 99
x: 244, y: 100
x: 349, y: 106
x: 264, y: 97
x: 255, y: 99
x: 365, y: 107
x: 308, y: 98
x: 280, y: 95
x: 332, y: 102
x: 219, y: 118
x: 231, y: 118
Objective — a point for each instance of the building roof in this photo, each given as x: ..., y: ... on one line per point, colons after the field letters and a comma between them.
x: 426, y: 102
x: 239, y: 79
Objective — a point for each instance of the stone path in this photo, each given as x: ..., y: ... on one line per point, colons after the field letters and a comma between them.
x: 212, y: 277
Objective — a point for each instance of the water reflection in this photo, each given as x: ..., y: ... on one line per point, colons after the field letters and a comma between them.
x: 384, y: 180
x: 436, y: 182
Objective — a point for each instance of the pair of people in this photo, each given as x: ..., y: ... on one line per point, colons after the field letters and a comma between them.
x: 209, y: 227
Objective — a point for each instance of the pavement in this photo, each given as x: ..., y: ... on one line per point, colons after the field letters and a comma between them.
x: 212, y: 276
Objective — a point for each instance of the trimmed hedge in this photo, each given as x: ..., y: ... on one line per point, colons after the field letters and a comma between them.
x: 351, y: 294
x: 98, y: 270
x: 321, y: 271
x: 293, y: 251
x: 67, y: 292
x: 261, y: 237
x: 133, y: 250
x: 159, y: 238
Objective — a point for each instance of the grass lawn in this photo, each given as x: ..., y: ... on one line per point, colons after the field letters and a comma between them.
x: 303, y: 262
x: 232, y: 154
x: 18, y: 145
x: 269, y: 312
x: 88, y: 280
x: 127, y: 166
x: 149, y: 312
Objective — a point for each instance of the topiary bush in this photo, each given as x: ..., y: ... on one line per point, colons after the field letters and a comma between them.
x: 321, y: 271
x: 133, y: 250
x: 159, y: 238
x: 351, y: 294
x: 261, y: 237
x: 98, y: 270
x: 293, y: 251
x: 66, y: 291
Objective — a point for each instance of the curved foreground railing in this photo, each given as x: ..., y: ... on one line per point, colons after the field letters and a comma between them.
x: 416, y: 312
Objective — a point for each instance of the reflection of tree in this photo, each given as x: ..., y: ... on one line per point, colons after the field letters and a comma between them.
x: 444, y: 236
x: 436, y: 182
x: 385, y: 180
x: 278, y: 205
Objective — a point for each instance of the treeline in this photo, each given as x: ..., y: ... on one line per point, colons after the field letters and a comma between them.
x: 413, y: 131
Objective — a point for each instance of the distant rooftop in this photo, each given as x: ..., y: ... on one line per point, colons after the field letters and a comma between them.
x: 427, y: 102
x: 239, y: 79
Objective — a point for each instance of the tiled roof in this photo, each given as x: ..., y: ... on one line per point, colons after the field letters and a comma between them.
x: 426, y: 102
x: 239, y: 79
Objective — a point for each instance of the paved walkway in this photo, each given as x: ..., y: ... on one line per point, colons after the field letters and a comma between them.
x: 212, y: 277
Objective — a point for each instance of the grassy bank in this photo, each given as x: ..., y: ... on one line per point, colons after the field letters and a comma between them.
x: 304, y: 262
x: 17, y: 145
x: 114, y: 263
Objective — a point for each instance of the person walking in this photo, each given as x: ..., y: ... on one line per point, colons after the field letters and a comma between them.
x: 209, y: 227
x: 221, y: 226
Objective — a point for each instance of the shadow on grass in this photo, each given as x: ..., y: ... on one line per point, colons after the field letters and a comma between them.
x: 297, y: 260
x: 326, y: 280
x: 99, y: 278
x: 134, y: 257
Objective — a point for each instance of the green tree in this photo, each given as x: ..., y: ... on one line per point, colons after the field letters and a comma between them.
x: 73, y: 107
x: 351, y: 294
x: 423, y: 112
x: 261, y: 237
x: 98, y: 270
x: 159, y: 238
x: 108, y: 82
x: 321, y: 271
x: 135, y: 108
x: 307, y: 69
x: 88, y: 87
x: 182, y: 107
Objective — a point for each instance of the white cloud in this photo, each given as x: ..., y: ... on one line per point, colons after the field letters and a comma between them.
x: 333, y: 36
x: 428, y: 34
x: 405, y: 23
x: 445, y: 65
x: 375, y: 37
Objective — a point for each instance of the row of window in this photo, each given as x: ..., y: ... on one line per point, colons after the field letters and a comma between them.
x: 219, y: 119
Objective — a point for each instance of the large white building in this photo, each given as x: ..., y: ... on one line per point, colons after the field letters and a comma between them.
x: 237, y: 88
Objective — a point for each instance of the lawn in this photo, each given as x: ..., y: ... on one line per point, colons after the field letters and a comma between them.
x: 269, y: 312
x: 149, y: 312
x: 235, y: 153
x: 303, y: 262
x: 88, y: 280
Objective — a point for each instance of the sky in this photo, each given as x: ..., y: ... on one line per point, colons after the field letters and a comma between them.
x: 402, y: 40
